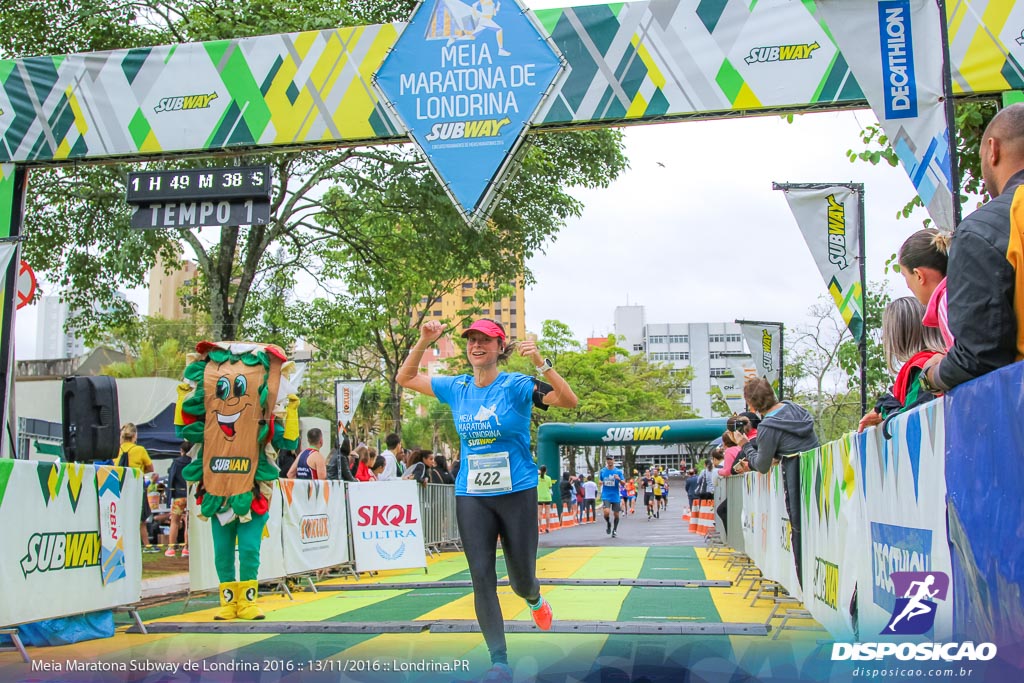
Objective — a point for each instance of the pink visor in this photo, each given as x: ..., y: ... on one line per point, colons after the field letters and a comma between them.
x: 488, y: 327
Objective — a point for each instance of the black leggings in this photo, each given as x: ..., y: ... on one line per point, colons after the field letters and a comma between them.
x: 482, y: 519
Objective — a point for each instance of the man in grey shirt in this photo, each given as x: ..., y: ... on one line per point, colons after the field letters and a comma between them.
x: 394, y: 443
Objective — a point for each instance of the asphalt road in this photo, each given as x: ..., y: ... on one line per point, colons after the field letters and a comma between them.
x: 634, y: 530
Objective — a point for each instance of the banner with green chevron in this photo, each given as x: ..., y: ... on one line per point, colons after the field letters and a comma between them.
x: 829, y: 216
x: 55, y: 549
x: 626, y: 62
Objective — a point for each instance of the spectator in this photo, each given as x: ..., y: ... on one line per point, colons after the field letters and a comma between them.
x: 357, y: 456
x: 544, y: 484
x: 443, y: 476
x: 391, y: 455
x: 923, y: 259
x: 755, y: 421
x: 285, y: 459
x: 132, y: 454
x: 379, y: 465
x: 177, y: 499
x: 908, y: 345
x: 985, y: 266
x: 364, y: 466
x: 691, y: 487
x: 310, y: 463
x: 706, y: 479
x: 577, y: 487
x: 420, y: 464
x: 732, y: 463
x: 567, y: 494
x: 589, y: 496
x: 786, y: 430
x: 339, y: 468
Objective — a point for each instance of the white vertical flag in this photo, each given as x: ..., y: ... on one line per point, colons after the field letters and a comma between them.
x: 765, y: 343
x: 346, y: 399
x: 829, y: 218
x: 894, y: 49
x: 732, y: 392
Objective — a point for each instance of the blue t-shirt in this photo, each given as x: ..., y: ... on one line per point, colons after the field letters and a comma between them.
x: 492, y: 419
x: 609, y: 485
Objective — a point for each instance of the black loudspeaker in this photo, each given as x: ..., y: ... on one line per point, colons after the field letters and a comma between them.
x: 92, y: 429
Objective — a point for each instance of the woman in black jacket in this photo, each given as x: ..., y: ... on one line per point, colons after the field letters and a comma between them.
x: 338, y: 466
x: 443, y: 476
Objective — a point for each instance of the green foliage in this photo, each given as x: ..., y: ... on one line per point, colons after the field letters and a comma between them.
x: 877, y: 298
x: 429, y: 425
x: 719, y: 406
x: 55, y: 27
x: 165, y: 360
x: 372, y: 225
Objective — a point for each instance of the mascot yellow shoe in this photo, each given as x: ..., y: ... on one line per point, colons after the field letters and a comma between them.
x: 228, y: 602
x: 247, y: 608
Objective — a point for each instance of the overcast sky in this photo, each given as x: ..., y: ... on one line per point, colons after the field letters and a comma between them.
x: 693, y: 230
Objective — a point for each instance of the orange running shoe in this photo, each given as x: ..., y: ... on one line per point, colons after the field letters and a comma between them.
x: 542, y: 615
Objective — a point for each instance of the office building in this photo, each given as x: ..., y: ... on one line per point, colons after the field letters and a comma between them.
x: 52, y: 341
x: 702, y: 346
x: 169, y: 294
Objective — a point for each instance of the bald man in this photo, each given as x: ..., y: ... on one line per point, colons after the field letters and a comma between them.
x: 985, y: 276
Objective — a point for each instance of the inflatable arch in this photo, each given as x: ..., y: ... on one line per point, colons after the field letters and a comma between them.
x: 551, y: 435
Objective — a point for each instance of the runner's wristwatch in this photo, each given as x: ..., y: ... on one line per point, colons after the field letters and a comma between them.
x: 545, y: 366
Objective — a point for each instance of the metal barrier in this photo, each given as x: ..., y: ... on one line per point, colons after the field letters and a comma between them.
x: 440, y: 529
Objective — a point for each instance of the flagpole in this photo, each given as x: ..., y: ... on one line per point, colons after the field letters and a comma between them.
x: 863, y: 341
x: 947, y: 95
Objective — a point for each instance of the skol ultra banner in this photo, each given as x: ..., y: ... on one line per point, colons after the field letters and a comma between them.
x: 829, y: 217
x: 347, y: 394
x: 833, y: 538
x: 202, y: 573
x: 53, y: 558
x: 314, y: 529
x: 902, y: 486
x: 387, y: 526
x: 894, y: 48
x: 765, y: 343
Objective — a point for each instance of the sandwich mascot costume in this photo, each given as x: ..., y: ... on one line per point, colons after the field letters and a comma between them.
x: 228, y: 403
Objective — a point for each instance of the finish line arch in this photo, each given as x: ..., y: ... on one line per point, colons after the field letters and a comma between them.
x: 551, y: 435
x: 626, y: 63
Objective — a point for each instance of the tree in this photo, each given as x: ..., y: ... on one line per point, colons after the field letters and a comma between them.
x: 323, y: 201
x: 876, y: 299
x: 165, y: 360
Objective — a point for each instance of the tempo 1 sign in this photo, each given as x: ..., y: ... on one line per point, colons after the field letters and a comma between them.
x: 195, y: 214
x: 188, y: 198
